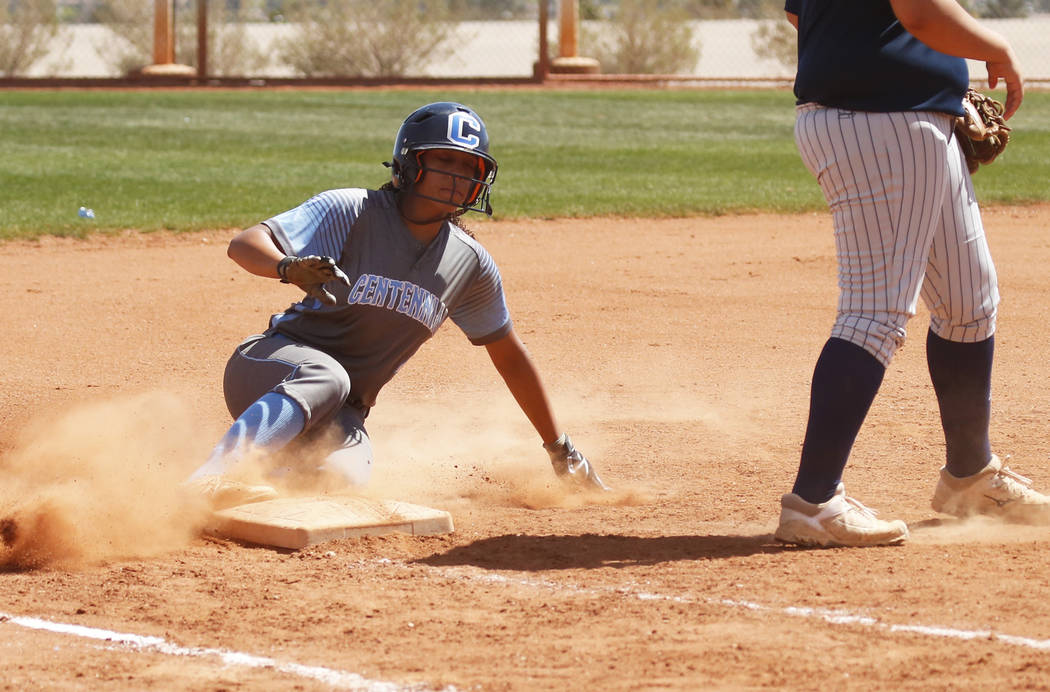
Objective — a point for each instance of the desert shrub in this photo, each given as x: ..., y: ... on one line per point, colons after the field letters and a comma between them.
x: 229, y: 49
x: 365, y: 38
x: 727, y: 9
x: 759, y: 8
x: 775, y: 39
x: 26, y: 32
x: 1000, y: 9
x: 697, y: 9
x: 643, y: 37
x: 131, y: 22
x: 466, y: 10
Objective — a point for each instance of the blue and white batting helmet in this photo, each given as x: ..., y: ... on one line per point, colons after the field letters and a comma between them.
x: 445, y: 125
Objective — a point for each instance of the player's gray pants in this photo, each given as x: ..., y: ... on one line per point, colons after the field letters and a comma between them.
x: 906, y: 220
x: 318, y: 384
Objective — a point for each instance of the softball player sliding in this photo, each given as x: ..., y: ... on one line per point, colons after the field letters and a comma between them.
x: 878, y: 85
x: 382, y: 270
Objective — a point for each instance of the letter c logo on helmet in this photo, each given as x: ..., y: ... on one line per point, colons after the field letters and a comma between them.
x: 444, y: 125
x: 461, y: 129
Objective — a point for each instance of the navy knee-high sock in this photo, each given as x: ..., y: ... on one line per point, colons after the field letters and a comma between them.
x: 962, y: 379
x: 845, y: 381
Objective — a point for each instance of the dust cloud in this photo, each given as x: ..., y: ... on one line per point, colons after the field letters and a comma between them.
x: 100, y: 481
x: 974, y: 530
x: 482, y: 452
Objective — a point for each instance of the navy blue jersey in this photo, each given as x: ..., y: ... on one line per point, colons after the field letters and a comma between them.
x: 855, y: 55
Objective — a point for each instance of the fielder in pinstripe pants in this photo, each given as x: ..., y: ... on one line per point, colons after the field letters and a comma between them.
x: 878, y: 86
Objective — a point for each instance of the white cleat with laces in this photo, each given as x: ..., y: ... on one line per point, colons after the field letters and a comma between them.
x: 219, y: 492
x: 840, y: 522
x: 994, y: 491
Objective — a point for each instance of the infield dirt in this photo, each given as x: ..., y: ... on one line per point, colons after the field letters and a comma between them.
x: 678, y: 354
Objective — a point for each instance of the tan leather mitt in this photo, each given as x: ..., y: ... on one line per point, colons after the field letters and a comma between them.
x: 982, y: 130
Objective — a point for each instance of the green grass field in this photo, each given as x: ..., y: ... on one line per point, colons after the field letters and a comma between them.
x: 188, y: 160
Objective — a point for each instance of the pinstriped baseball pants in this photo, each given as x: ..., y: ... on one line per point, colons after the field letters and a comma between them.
x: 906, y: 223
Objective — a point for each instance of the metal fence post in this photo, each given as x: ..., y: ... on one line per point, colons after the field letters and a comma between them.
x: 163, y: 32
x: 543, y: 61
x: 568, y: 32
x: 202, y: 39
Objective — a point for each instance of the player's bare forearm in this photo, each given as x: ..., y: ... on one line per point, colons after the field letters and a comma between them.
x: 516, y: 368
x: 946, y: 27
x: 255, y: 250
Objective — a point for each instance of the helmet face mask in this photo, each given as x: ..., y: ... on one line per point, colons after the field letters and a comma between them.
x: 444, y: 125
x: 476, y: 182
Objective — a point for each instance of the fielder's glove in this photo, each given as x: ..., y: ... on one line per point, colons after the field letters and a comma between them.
x: 982, y: 130
x: 311, y: 273
x: 572, y: 467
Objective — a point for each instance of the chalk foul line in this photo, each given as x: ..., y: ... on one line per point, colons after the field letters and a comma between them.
x: 835, y: 617
x: 335, y: 678
x: 358, y: 683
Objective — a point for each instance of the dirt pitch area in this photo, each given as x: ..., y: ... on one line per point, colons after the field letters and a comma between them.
x: 678, y: 353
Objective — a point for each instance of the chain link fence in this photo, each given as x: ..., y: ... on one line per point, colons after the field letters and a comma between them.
x: 708, y: 41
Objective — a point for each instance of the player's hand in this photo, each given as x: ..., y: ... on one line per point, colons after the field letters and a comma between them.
x: 1009, y: 71
x: 311, y: 273
x: 572, y: 467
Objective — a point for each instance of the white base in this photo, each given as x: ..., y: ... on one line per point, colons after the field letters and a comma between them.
x: 297, y: 522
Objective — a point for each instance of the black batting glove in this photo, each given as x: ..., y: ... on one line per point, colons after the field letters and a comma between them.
x: 311, y: 273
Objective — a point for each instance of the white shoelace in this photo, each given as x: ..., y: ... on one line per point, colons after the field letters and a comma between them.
x: 857, y: 505
x: 1006, y: 477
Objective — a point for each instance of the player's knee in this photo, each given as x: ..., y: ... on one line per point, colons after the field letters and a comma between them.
x: 322, y: 390
x: 328, y: 377
x: 342, y: 386
x: 882, y: 338
x: 966, y: 331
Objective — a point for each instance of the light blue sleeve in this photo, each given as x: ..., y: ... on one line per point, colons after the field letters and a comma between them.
x: 482, y: 314
x: 320, y: 225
